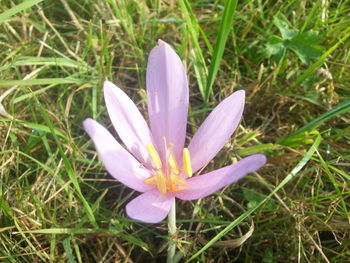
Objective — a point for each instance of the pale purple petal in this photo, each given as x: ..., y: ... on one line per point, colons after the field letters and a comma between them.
x: 118, y: 161
x: 167, y: 91
x: 216, y: 130
x: 150, y: 207
x: 128, y: 122
x: 206, y: 184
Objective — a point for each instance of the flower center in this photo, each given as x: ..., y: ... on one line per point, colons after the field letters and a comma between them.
x: 167, y: 176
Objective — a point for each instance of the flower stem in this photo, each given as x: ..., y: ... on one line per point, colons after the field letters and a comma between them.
x: 172, y: 232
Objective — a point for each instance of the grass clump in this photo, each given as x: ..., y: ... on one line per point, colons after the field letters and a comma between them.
x: 58, y: 204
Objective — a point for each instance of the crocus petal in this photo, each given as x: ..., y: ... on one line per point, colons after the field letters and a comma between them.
x: 150, y: 207
x: 216, y: 130
x: 118, y: 161
x: 167, y: 91
x: 128, y: 122
x: 206, y: 184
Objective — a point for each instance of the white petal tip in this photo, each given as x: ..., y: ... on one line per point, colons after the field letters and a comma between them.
x: 163, y: 46
x: 240, y: 92
x: 162, y: 43
x: 90, y: 126
x: 238, y: 95
x: 108, y: 85
x: 260, y: 159
x: 87, y: 123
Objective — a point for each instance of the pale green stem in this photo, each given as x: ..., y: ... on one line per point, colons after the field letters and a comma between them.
x: 172, y: 232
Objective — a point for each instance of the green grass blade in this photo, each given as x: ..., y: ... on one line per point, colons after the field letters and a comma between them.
x: 79, y: 231
x: 4, y: 206
x: 342, y: 108
x: 260, y: 148
x: 333, y: 181
x: 68, y: 166
x: 45, y: 81
x: 224, y: 29
x: 42, y: 165
x: 199, y: 65
x: 321, y: 60
x: 288, y: 178
x: 18, y: 8
x: 68, y: 249
x: 68, y: 231
x: 42, y: 255
x: 43, y: 128
x: 340, y: 172
x: 37, y: 126
x: 29, y: 61
x: 63, y: 62
x: 32, y: 94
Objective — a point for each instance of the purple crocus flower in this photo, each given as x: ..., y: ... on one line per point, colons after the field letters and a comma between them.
x: 156, y: 162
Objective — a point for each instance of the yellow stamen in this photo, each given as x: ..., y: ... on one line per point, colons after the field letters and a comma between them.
x: 177, y: 179
x: 154, y: 156
x: 150, y: 180
x: 170, y: 185
x: 173, y: 164
x: 178, y: 188
x: 187, y: 162
x: 161, y: 182
x: 167, y: 177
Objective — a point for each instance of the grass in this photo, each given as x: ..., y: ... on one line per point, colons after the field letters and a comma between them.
x: 57, y: 202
